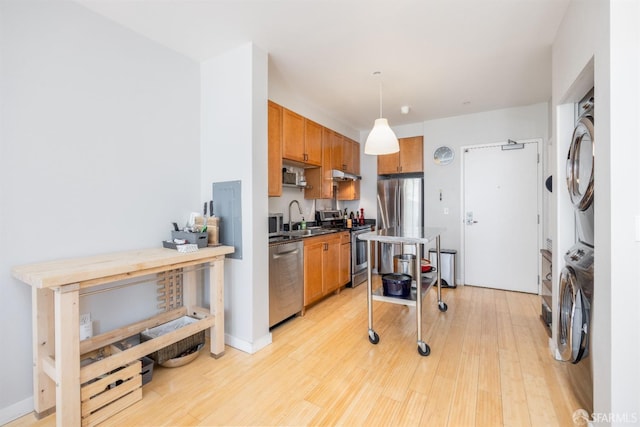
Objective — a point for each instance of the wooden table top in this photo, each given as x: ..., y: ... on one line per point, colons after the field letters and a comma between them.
x: 89, y: 270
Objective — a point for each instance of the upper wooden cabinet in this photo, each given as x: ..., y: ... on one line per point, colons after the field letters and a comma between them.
x: 355, y: 147
x: 301, y: 139
x: 320, y: 180
x: 345, y: 154
x: 274, y: 149
x: 409, y: 159
x: 348, y: 190
x: 312, y: 143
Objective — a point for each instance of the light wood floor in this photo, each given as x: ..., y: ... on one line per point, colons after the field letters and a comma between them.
x: 489, y: 366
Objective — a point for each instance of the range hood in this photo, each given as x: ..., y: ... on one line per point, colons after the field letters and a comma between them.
x: 338, y: 175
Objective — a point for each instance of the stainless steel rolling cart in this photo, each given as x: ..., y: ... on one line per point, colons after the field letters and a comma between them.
x: 417, y: 236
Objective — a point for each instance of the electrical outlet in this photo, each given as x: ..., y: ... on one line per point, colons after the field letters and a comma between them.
x: 85, y: 318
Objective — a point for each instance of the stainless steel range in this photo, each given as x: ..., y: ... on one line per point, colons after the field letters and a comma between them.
x: 335, y: 219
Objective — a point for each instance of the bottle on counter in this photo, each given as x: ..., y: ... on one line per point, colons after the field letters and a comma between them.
x: 303, y: 224
x: 361, y: 216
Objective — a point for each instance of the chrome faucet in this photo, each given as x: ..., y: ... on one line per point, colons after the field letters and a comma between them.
x: 299, y: 209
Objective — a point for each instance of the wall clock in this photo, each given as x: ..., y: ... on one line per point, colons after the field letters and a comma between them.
x: 443, y: 155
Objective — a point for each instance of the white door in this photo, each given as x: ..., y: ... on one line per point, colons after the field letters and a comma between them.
x: 501, y: 190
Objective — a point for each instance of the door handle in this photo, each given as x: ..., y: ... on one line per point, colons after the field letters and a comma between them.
x: 469, y: 219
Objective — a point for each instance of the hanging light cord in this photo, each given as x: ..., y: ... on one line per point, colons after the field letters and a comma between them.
x: 379, y: 74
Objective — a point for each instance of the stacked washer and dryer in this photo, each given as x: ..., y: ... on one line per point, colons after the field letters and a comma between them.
x: 576, y: 278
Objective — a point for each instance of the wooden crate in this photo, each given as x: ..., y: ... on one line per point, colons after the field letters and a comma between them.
x: 108, y: 394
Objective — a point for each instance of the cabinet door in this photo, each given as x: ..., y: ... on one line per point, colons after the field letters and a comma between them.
x: 319, y: 180
x: 337, y: 142
x: 313, y: 271
x: 388, y: 163
x: 274, y: 149
x: 355, y: 147
x: 348, y: 190
x: 345, y: 259
x: 312, y: 143
x: 331, y: 265
x: 411, y: 154
x: 292, y: 136
x: 347, y: 155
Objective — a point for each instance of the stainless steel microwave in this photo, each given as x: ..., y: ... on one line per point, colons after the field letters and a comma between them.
x: 275, y: 224
x: 289, y: 177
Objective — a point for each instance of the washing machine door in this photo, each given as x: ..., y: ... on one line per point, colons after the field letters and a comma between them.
x: 580, y: 164
x: 573, y: 320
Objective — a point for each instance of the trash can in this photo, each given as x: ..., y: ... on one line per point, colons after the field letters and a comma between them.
x: 448, y: 270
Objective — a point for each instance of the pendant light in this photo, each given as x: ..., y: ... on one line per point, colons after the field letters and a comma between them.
x: 381, y: 139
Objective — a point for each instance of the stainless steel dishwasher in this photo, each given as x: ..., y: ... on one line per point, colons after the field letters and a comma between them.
x: 286, y: 280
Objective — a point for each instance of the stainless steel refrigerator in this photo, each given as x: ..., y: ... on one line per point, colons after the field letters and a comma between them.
x: 400, y: 204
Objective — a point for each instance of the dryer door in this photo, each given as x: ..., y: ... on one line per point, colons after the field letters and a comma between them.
x: 573, y: 318
x: 580, y: 164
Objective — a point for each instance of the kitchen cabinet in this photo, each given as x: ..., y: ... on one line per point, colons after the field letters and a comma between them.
x: 274, y: 149
x: 408, y: 160
x: 348, y: 190
x: 312, y: 143
x: 355, y: 149
x: 337, y: 143
x: 319, y: 180
x: 301, y: 139
x: 321, y: 266
x: 345, y: 154
x: 345, y: 259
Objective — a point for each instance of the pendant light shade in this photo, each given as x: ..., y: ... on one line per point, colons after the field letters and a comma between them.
x: 381, y: 139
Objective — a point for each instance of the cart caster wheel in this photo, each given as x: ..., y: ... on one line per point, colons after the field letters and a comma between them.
x: 442, y: 306
x: 424, y: 349
x: 373, y: 337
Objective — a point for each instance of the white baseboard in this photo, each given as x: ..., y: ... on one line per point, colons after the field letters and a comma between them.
x: 247, y: 346
x: 16, y: 410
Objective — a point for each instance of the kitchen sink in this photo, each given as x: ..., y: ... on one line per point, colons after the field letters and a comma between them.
x: 289, y: 236
x: 308, y: 232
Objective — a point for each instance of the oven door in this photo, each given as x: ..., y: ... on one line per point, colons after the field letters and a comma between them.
x: 359, y: 261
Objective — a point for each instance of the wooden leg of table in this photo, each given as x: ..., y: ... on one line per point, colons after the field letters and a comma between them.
x: 189, y: 288
x: 44, y: 388
x: 216, y: 295
x: 67, y: 342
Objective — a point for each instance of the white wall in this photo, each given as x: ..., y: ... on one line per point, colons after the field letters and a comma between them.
x: 234, y: 147
x: 474, y: 129
x: 612, y: 42
x: 98, y: 153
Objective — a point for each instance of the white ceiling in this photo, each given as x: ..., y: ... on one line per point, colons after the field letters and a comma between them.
x: 440, y: 57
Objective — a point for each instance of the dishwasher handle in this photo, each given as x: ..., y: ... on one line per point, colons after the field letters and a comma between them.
x: 283, y: 254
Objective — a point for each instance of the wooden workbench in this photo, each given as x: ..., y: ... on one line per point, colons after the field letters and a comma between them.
x: 56, y: 286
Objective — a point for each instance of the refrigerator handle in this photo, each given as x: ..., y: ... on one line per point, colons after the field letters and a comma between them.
x: 399, y: 201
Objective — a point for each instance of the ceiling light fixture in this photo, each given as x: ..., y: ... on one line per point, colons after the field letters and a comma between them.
x: 381, y: 139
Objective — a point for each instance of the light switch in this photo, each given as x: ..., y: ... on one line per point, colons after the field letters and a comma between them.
x: 446, y: 211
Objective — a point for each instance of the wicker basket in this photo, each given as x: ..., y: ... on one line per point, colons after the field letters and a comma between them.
x: 177, y: 348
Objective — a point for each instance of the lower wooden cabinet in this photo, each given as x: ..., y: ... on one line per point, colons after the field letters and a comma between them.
x: 345, y: 259
x: 323, y: 263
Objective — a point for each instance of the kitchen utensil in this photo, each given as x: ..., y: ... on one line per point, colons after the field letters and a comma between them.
x: 397, y: 285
